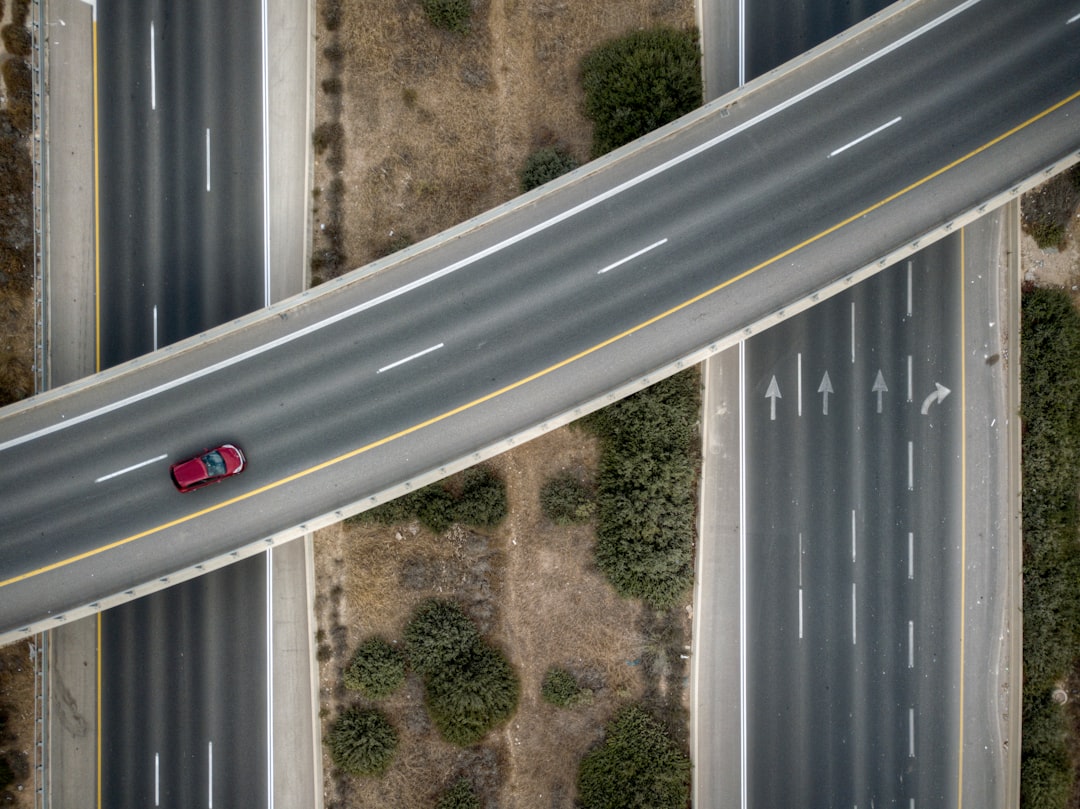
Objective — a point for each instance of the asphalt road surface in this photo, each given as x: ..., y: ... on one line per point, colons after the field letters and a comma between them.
x: 363, y: 384
x: 184, y: 698
x: 183, y: 671
x: 180, y: 161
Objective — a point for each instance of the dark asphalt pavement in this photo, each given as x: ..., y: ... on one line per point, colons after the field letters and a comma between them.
x: 737, y: 215
x: 853, y: 544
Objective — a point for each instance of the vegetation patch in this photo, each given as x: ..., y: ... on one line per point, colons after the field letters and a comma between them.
x: 459, y: 796
x: 546, y: 164
x: 1046, y: 210
x: 452, y: 15
x: 637, y: 765
x: 377, y: 669
x: 475, y: 497
x: 362, y: 742
x: 565, y: 500
x: 646, y: 502
x: 561, y: 689
x: 1050, y: 381
x: 640, y: 82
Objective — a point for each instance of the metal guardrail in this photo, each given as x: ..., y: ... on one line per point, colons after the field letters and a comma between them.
x: 39, y: 644
x: 38, y: 157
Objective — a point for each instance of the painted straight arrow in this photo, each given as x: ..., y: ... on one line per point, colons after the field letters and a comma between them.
x: 772, y: 394
x: 825, y: 388
x: 879, y: 388
x: 937, y: 396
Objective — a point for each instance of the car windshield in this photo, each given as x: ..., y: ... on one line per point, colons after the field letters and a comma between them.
x: 215, y: 464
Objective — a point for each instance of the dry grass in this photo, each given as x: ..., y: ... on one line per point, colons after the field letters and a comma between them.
x: 436, y: 126
x: 532, y: 588
x: 17, y: 707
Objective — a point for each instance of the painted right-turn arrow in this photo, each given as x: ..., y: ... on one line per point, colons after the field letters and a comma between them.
x: 937, y: 396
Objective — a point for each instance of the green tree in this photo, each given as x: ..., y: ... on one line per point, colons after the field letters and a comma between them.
x: 640, y: 82
x: 437, y: 633
x: 483, y: 498
x: 362, y: 742
x: 471, y: 694
x: 377, y: 669
x: 545, y: 165
x: 637, y: 766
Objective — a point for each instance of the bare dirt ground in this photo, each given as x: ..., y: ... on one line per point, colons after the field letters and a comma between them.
x: 1059, y: 269
x: 534, y: 591
x: 420, y: 129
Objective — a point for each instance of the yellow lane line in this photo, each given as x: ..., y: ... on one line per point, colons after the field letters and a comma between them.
x: 537, y: 375
x: 963, y: 513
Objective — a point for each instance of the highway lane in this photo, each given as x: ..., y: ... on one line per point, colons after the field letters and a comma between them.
x: 177, y: 711
x: 183, y: 671
x: 782, y: 170
x: 180, y: 162
x: 853, y: 543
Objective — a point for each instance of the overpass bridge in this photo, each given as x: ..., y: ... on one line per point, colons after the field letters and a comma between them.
x: 724, y: 222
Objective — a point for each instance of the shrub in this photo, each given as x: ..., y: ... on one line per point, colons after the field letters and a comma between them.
x: 561, y: 689
x: 376, y: 670
x: 1050, y: 381
x: 471, y: 694
x: 453, y: 15
x: 565, y: 500
x: 638, y: 83
x: 459, y: 796
x: 437, y: 633
x: 362, y: 742
x: 481, y: 503
x: 17, y: 40
x: 483, y: 498
x: 637, y: 765
x: 645, y: 490
x: 1048, y: 209
x: 19, y: 84
x: 544, y: 165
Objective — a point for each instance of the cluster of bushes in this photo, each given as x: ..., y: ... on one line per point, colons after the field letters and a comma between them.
x: 640, y: 82
x: 476, y: 497
x: 645, y: 490
x: 459, y: 796
x: 1050, y: 380
x: 469, y: 686
x: 544, y: 165
x: 636, y: 765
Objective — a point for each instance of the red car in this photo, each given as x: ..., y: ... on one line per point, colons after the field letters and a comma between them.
x: 210, y: 467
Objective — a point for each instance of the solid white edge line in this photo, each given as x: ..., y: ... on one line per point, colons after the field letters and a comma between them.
x: 742, y: 575
x: 210, y: 778
x: 495, y: 248
x: 266, y: 155
x: 270, y: 677
x: 861, y: 138
x: 632, y: 256
x: 153, y: 70
x: 131, y: 468
x: 410, y: 358
x: 207, y: 158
